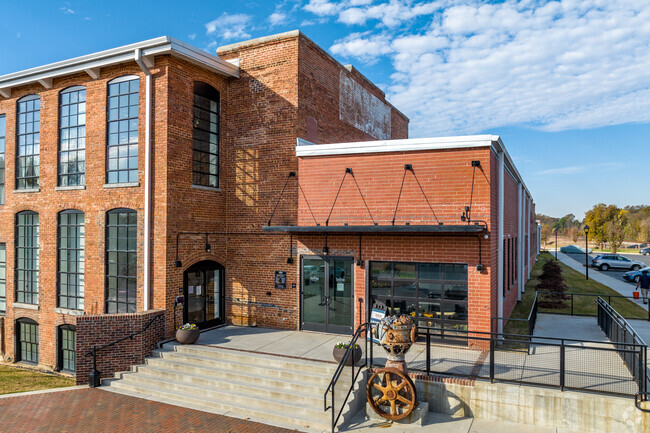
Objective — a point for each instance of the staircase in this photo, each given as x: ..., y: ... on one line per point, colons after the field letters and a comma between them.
x: 266, y: 388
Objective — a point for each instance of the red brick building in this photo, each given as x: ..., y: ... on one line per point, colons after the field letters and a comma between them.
x: 139, y: 174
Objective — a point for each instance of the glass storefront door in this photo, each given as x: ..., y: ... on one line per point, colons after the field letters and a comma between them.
x: 204, y: 295
x: 327, y: 294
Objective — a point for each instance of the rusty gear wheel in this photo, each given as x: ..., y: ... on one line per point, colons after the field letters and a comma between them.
x: 391, y: 394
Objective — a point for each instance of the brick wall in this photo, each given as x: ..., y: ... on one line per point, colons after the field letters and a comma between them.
x: 96, y: 330
x: 446, y: 179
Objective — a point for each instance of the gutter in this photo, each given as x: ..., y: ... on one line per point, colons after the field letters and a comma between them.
x: 145, y: 63
x: 501, y: 201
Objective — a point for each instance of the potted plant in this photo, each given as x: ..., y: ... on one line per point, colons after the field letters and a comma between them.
x: 340, y: 349
x: 187, y: 333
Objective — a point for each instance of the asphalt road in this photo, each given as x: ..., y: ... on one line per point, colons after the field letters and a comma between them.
x: 618, y: 274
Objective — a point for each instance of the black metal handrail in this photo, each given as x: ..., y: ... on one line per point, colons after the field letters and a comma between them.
x: 361, y: 330
x: 494, y: 342
x: 94, y: 378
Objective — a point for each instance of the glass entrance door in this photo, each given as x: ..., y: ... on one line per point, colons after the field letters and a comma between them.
x: 327, y: 294
x: 203, y: 290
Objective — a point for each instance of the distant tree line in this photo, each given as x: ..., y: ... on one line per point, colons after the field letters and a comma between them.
x: 608, y: 224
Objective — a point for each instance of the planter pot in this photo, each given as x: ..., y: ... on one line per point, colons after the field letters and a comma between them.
x: 187, y: 336
x: 354, y: 357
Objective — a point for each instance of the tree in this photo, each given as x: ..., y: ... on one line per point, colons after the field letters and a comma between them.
x: 551, y: 280
x: 573, y: 232
x: 616, y: 230
x: 597, y: 217
x: 545, y: 233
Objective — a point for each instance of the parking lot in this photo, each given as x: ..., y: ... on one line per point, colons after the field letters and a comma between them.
x: 614, y: 273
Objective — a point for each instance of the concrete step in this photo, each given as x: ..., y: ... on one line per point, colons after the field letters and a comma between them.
x: 249, y: 388
x: 278, y: 390
x: 245, y: 366
x: 185, y: 371
x: 266, y: 360
x: 202, y: 402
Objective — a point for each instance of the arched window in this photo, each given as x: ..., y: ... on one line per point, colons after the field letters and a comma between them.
x: 121, y: 261
x: 72, y: 136
x: 26, y: 271
x: 71, y: 259
x: 67, y: 348
x: 205, y: 160
x: 27, y: 341
x: 122, y: 126
x: 28, y: 138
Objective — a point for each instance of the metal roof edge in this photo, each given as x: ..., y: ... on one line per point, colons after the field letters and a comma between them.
x: 303, y: 149
x: 151, y: 47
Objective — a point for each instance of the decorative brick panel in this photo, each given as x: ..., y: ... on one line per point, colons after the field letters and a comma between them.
x: 101, y: 329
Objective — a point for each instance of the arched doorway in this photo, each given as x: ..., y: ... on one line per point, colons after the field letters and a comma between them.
x: 203, y: 288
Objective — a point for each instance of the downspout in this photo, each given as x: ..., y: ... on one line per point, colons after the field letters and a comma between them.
x: 520, y: 243
x: 147, y: 179
x: 501, y: 169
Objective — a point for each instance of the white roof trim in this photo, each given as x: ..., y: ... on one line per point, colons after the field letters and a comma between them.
x: 305, y: 148
x: 92, y: 62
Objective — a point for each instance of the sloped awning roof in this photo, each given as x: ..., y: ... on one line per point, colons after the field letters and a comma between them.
x: 377, y: 229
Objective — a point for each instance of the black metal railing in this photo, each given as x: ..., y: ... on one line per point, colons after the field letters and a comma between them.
x: 337, y: 405
x: 619, y: 332
x: 94, y: 379
x: 566, y: 304
x: 571, y: 364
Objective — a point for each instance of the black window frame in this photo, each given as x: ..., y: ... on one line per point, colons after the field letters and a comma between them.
x: 3, y: 135
x: 66, y: 357
x: 71, y: 299
x: 27, y: 327
x: 443, y: 300
x: 33, y: 136
x: 72, y: 132
x: 24, y: 275
x: 202, y: 150
x: 117, y: 125
x: 116, y: 258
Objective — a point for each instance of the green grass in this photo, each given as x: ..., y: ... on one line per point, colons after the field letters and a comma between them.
x: 15, y: 379
x: 582, y: 305
x: 619, y: 251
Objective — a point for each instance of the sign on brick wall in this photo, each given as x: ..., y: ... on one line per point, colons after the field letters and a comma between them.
x: 362, y: 109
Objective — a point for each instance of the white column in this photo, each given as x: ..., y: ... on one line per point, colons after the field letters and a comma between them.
x: 520, y: 242
x: 501, y: 169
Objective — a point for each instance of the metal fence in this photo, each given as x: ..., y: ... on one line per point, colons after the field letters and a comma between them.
x: 620, y: 333
x: 591, y: 366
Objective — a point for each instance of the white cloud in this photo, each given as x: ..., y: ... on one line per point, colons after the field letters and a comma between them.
x: 277, y: 18
x: 230, y: 26
x: 575, y: 169
x: 191, y: 37
x: 362, y: 46
x: 66, y: 10
x: 322, y: 7
x: 468, y: 66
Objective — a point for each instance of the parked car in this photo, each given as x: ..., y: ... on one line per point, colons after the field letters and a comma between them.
x: 575, y: 249
x: 644, y: 251
x: 607, y: 261
x: 635, y: 275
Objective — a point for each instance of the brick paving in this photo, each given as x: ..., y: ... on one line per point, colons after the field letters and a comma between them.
x: 97, y: 411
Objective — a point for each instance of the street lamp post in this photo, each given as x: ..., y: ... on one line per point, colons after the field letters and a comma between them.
x: 586, y: 252
x: 555, y: 230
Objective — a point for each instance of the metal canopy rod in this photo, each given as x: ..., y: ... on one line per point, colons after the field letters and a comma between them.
x: 407, y: 167
x: 471, y: 195
x: 347, y: 170
x: 291, y: 174
x: 362, y: 197
x: 306, y: 201
x: 425, y: 196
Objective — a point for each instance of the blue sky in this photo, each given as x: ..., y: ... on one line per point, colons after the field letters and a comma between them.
x: 565, y: 84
